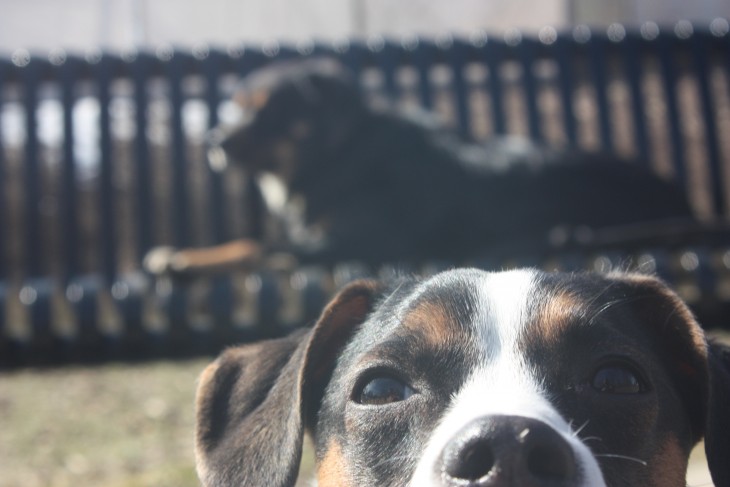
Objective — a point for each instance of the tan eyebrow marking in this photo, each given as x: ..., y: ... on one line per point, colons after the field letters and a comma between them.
x: 432, y: 320
x: 556, y: 314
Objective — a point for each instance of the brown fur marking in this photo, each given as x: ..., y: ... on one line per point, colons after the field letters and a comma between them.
x: 237, y: 252
x: 556, y: 314
x: 254, y: 101
x: 434, y: 321
x: 669, y: 466
x: 332, y: 469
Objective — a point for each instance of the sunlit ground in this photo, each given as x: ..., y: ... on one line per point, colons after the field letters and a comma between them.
x: 116, y: 425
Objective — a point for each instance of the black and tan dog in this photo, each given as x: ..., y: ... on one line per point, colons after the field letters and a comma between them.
x: 384, y: 186
x: 477, y: 379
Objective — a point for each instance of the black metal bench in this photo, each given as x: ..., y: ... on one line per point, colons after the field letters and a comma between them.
x: 80, y: 207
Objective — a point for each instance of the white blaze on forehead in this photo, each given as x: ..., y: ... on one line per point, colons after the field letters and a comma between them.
x: 502, y: 300
x: 502, y: 383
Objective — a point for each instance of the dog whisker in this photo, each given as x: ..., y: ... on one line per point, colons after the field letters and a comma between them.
x: 591, y: 438
x: 609, y: 305
x: 646, y: 267
x: 577, y: 432
x: 600, y: 294
x: 621, y: 457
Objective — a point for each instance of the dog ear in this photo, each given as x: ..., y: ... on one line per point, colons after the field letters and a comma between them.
x: 717, y: 434
x: 252, y: 404
x: 682, y: 340
x: 703, y: 369
x: 340, y: 105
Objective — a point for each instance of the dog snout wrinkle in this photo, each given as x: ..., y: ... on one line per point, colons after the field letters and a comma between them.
x: 505, y: 450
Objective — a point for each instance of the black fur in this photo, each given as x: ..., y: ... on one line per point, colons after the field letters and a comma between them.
x: 717, y: 433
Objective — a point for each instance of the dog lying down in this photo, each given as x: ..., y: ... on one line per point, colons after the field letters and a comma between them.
x: 469, y: 378
x: 383, y: 186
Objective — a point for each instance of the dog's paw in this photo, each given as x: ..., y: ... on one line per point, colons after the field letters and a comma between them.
x: 164, y: 261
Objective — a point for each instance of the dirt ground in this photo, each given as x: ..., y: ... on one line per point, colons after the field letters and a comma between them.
x: 113, y: 426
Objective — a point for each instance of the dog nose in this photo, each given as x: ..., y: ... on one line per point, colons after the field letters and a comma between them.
x: 508, y: 451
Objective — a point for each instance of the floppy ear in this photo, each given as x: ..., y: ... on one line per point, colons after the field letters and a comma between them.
x: 252, y: 405
x: 717, y: 435
x: 703, y: 369
x: 340, y: 104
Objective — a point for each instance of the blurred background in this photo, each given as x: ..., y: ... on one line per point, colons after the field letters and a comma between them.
x: 124, y: 425
x: 119, y: 24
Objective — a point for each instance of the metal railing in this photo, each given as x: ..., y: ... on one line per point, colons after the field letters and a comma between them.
x: 102, y: 157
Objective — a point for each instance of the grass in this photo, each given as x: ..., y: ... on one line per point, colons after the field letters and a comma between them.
x: 115, y: 426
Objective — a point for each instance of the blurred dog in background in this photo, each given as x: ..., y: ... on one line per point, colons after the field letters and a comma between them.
x: 378, y: 185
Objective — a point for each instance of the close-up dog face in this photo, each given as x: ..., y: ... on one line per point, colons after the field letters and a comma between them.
x: 474, y: 378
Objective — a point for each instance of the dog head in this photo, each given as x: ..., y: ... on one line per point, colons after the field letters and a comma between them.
x: 478, y: 379
x: 290, y: 109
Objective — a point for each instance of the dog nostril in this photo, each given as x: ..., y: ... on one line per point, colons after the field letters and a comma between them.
x: 508, y: 450
x: 473, y: 462
x: 550, y: 461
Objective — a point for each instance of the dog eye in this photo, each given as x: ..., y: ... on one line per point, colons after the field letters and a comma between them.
x: 617, y: 379
x: 383, y: 390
